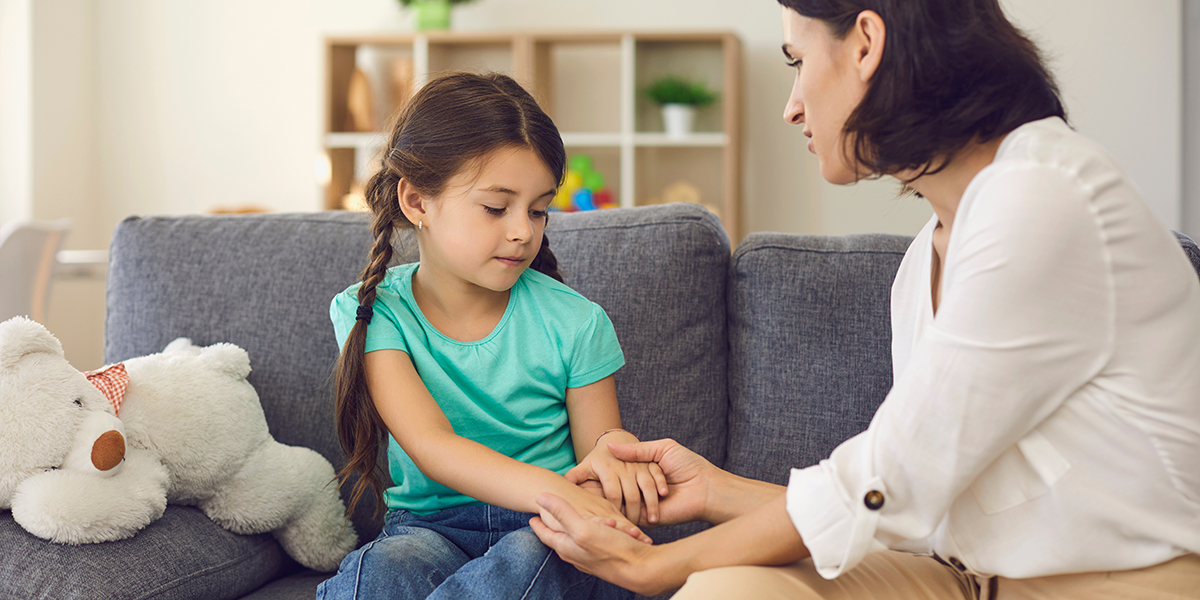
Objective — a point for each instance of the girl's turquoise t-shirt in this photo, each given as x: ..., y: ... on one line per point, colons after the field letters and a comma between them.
x: 506, y: 391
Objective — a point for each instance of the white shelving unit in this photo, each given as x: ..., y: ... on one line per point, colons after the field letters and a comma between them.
x: 589, y: 82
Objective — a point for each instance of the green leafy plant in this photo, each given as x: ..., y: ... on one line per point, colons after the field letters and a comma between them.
x: 408, y: 2
x: 673, y: 89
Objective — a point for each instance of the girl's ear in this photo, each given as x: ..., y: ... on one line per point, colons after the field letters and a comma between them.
x: 869, y: 34
x: 412, y: 203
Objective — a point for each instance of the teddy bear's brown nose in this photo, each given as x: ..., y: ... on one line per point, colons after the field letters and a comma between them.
x: 108, y: 450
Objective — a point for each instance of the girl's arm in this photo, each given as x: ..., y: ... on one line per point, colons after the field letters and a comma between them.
x: 595, y: 422
x: 421, y: 428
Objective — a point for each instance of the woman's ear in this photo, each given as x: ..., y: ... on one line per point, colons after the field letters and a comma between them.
x: 412, y: 203
x: 870, y: 34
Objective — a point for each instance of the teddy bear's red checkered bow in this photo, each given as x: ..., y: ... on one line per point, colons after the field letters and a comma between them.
x: 111, y: 381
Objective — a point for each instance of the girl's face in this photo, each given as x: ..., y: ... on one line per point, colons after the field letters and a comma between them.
x: 827, y: 89
x: 486, y: 227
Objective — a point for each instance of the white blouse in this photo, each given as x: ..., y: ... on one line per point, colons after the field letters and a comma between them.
x: 1047, y: 419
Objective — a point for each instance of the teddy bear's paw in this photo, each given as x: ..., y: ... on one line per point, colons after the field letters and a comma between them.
x: 72, y: 507
x: 321, y: 536
x: 292, y: 492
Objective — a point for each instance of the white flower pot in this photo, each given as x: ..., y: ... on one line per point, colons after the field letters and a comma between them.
x: 678, y: 119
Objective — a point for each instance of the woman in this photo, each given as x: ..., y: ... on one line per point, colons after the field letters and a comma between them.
x: 1042, y: 437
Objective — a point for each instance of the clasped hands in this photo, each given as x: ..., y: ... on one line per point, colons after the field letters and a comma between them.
x: 667, y: 478
x: 598, y: 544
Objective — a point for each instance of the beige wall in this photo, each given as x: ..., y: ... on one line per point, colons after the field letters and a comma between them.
x: 161, y: 106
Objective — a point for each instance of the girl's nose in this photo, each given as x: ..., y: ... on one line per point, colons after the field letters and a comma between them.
x: 520, y: 229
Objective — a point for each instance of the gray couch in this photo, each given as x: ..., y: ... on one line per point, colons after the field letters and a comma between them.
x: 761, y: 359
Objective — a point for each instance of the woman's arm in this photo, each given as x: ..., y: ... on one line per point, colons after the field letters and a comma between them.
x: 414, y: 418
x: 764, y: 536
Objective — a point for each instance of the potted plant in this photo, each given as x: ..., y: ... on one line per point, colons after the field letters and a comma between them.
x: 432, y: 15
x: 679, y: 98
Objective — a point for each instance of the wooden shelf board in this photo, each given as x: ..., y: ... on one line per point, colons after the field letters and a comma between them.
x: 706, y: 140
x: 591, y: 140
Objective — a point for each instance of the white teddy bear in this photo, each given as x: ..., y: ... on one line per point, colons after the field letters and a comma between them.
x: 79, y: 467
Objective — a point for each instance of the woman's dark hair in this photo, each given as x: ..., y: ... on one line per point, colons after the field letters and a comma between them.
x: 952, y: 72
x: 450, y: 124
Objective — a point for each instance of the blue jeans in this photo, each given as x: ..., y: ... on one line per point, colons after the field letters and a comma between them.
x: 483, y: 552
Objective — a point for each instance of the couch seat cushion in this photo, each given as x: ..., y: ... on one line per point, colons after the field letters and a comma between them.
x: 181, y: 556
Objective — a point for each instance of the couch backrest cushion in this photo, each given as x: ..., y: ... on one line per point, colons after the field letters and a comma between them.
x: 810, y: 345
x: 660, y: 274
x: 264, y: 282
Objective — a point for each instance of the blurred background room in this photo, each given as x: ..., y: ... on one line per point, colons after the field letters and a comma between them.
x: 111, y: 108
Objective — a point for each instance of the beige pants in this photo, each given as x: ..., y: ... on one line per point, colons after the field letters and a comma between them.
x: 894, y: 575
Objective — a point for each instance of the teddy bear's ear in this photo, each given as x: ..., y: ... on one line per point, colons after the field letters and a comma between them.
x: 20, y: 337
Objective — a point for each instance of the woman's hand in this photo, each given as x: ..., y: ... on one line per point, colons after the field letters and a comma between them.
x: 594, y: 547
x: 688, y: 477
x: 764, y: 535
x: 624, y: 484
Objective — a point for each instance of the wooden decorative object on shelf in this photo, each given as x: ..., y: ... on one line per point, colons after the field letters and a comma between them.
x: 402, y: 82
x: 360, y: 110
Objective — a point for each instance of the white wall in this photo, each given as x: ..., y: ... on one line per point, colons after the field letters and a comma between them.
x: 207, y: 104
x: 66, y: 153
x: 1119, y: 65
x: 16, y: 131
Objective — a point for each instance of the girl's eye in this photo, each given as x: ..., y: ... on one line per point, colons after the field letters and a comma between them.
x: 494, y: 211
x: 539, y: 214
x: 795, y: 63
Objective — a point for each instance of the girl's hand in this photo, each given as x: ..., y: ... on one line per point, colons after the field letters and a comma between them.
x: 624, y: 484
x: 599, y: 509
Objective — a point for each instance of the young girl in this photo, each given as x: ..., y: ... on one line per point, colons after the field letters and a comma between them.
x: 491, y: 378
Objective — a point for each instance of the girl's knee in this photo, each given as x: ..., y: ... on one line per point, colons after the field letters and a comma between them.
x: 523, y: 542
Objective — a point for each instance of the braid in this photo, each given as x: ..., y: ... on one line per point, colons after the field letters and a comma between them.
x: 359, y: 426
x: 381, y: 255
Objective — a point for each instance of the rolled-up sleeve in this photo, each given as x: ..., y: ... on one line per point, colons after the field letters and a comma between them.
x: 1026, y: 319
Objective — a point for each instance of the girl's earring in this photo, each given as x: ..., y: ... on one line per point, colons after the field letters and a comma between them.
x: 420, y: 224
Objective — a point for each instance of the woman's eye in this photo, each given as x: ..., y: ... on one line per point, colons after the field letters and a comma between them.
x: 494, y: 211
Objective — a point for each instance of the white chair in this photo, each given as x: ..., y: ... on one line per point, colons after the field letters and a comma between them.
x: 27, y: 262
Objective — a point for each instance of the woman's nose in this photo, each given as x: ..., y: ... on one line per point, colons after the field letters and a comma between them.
x: 793, y: 111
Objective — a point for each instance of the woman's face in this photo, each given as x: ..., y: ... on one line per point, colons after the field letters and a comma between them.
x: 827, y: 89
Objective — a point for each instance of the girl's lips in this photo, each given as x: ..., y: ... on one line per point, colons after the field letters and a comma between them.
x: 810, y: 147
x: 512, y: 262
